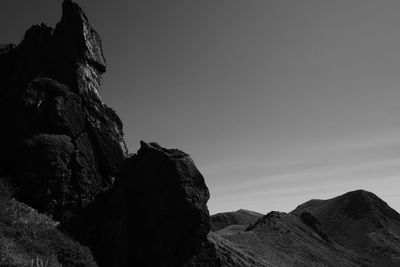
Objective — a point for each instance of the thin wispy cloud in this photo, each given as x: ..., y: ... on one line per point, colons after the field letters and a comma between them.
x: 262, y: 95
x: 368, y: 163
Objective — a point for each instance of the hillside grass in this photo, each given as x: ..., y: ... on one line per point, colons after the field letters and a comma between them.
x: 28, y: 238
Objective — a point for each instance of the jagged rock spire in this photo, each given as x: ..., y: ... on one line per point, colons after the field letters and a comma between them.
x: 79, y: 54
x: 59, y: 140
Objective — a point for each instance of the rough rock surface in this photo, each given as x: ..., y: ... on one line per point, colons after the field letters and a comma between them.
x: 60, y: 143
x: 63, y: 148
x: 165, y: 215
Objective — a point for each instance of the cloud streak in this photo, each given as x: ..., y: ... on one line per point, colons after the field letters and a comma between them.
x: 367, y: 163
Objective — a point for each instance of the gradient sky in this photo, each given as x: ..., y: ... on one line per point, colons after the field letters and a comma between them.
x: 277, y: 102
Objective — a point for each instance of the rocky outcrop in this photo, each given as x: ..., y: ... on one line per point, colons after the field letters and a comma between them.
x: 164, y: 212
x: 63, y: 147
x: 60, y: 143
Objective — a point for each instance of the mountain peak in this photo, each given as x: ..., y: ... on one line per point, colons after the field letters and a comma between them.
x: 242, y: 217
x: 359, y: 203
x: 355, y: 204
x: 354, y: 229
x: 361, y: 193
x: 357, y: 220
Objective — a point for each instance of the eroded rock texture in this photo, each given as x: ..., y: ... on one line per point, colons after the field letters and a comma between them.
x: 164, y: 212
x: 62, y: 147
x: 60, y: 143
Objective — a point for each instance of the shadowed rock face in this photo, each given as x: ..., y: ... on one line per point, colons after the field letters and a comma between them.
x: 60, y: 143
x: 62, y: 147
x: 81, y: 62
x: 165, y: 213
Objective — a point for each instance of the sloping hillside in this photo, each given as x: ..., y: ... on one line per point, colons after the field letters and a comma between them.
x: 28, y: 238
x: 240, y: 217
x: 286, y: 240
x: 362, y: 222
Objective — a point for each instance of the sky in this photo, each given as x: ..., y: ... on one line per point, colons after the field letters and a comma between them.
x: 277, y: 102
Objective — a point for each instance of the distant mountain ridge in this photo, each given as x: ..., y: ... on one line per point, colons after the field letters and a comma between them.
x: 362, y: 222
x: 354, y: 229
x: 240, y: 217
x: 72, y: 195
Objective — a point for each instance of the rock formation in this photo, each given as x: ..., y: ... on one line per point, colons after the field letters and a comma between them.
x: 61, y: 144
x: 63, y: 148
x: 164, y: 212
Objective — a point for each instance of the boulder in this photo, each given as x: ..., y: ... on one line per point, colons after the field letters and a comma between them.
x: 161, y: 200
